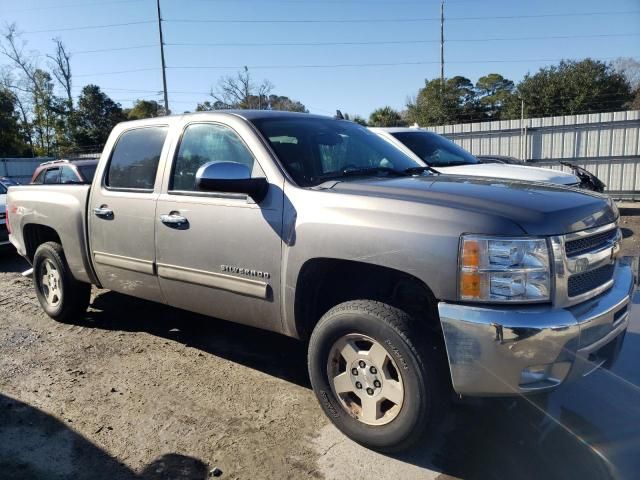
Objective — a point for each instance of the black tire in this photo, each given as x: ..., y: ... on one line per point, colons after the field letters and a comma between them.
x: 425, y: 387
x: 74, y: 296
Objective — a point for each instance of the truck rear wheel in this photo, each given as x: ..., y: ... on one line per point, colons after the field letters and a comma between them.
x: 375, y: 376
x: 62, y: 297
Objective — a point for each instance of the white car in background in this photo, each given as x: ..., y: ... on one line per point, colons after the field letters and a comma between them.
x: 448, y: 158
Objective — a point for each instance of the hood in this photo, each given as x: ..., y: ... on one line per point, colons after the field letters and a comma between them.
x: 538, y: 209
x: 513, y: 172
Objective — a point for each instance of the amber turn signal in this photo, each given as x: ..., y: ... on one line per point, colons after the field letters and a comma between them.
x: 470, y: 285
x: 470, y: 253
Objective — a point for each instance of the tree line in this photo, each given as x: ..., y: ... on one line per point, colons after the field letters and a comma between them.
x: 571, y: 87
x: 39, y: 115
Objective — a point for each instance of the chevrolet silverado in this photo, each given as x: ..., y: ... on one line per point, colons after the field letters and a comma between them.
x: 405, y: 284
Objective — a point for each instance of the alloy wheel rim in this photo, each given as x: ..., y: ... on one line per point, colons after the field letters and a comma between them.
x: 366, y: 379
x: 50, y: 283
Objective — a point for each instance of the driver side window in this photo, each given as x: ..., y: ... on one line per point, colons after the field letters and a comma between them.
x: 204, y: 143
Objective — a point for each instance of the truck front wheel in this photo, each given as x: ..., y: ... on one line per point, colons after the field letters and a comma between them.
x: 62, y: 297
x: 376, y: 377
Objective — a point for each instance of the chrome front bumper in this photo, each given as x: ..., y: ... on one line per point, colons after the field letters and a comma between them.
x: 508, y: 350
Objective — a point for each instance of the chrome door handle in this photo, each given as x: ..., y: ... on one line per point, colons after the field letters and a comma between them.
x: 174, y: 220
x: 103, y: 212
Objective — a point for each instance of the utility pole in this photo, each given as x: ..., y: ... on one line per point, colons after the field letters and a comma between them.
x: 164, y: 68
x: 442, y: 45
x: 522, y: 131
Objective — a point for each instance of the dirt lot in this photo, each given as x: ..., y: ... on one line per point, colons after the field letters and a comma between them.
x: 137, y: 390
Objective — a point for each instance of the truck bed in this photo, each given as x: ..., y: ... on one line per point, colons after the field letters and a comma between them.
x: 60, y: 208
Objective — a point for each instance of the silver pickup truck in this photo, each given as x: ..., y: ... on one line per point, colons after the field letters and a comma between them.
x: 406, y: 284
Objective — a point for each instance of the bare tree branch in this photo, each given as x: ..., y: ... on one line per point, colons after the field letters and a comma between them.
x: 239, y: 91
x: 62, y: 69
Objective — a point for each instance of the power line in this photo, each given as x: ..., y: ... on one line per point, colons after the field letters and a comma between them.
x: 115, y: 49
x: 392, y: 42
x: 346, y: 43
x: 116, y: 72
x: 402, y: 20
x: 345, y: 65
x: 72, y: 5
x: 90, y: 27
x: 379, y: 20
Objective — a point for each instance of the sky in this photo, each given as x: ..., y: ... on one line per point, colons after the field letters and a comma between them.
x: 389, y: 47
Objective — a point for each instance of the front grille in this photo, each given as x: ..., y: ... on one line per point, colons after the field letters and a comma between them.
x: 586, y: 244
x: 587, y: 281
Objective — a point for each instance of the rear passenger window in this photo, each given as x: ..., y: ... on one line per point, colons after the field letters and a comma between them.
x: 52, y: 176
x: 135, y: 158
x: 203, y: 143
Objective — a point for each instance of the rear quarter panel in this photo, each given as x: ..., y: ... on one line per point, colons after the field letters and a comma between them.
x: 61, y: 208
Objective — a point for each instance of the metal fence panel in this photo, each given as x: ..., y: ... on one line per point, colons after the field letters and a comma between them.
x: 599, y: 135
x: 606, y: 144
x: 20, y: 169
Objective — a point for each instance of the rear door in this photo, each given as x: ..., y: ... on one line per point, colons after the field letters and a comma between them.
x: 224, y: 259
x: 122, y: 211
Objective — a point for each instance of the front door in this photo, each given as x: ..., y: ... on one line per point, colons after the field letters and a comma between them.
x: 218, y: 253
x: 121, y: 214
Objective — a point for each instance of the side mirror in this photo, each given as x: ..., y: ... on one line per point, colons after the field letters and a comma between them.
x: 230, y: 177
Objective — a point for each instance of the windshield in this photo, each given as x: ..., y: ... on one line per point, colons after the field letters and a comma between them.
x: 437, y: 151
x: 316, y: 149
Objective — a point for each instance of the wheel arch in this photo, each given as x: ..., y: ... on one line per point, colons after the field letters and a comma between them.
x: 34, y: 235
x: 323, y: 283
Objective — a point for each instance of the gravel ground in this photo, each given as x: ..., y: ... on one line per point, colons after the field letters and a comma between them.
x: 630, y: 226
x: 139, y: 390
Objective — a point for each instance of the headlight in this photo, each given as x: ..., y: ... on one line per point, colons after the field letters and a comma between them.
x: 503, y: 269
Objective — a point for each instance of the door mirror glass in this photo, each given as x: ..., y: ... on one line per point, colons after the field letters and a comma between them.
x: 230, y: 177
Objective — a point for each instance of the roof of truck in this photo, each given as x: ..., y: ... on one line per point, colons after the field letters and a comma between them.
x: 246, y: 114
x: 260, y: 114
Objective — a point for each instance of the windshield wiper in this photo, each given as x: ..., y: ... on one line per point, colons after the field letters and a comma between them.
x: 417, y: 170
x: 354, y: 172
x: 372, y: 170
